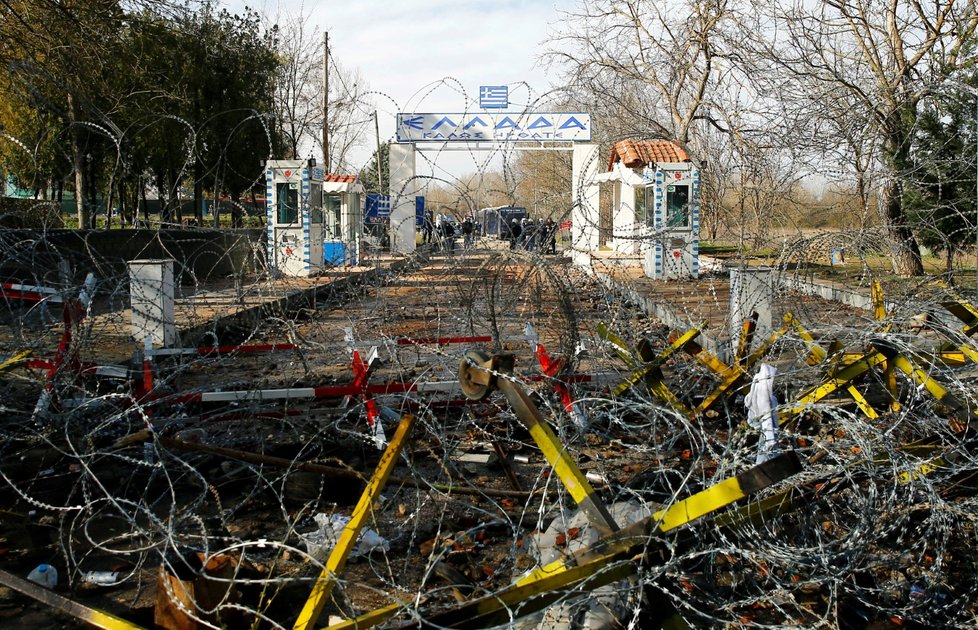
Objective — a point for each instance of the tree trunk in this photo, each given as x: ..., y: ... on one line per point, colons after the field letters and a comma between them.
x: 124, y: 205
x: 198, y: 193
x: 235, y: 209
x: 904, y: 251
x: 198, y: 170
x: 92, y: 189
x: 142, y: 192
x: 78, y: 162
x: 110, y: 201
x: 162, y: 181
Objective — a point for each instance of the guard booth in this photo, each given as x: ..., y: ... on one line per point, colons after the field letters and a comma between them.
x: 342, y: 220
x: 663, y: 221
x: 294, y: 198
x: 672, y: 209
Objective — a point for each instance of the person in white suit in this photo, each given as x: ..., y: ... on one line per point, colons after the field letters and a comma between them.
x: 762, y: 412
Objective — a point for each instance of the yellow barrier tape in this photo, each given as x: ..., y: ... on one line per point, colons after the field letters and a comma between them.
x: 337, y: 557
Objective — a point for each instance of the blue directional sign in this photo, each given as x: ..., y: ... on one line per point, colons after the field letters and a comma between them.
x: 377, y: 208
x: 413, y: 122
x: 419, y: 208
x: 494, y: 96
x: 494, y: 127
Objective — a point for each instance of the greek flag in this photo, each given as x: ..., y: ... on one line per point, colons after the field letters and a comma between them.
x: 494, y: 96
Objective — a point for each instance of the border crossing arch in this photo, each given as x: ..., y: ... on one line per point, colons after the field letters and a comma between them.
x: 480, y: 131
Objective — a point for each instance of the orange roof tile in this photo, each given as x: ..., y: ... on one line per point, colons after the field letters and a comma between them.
x: 640, y: 153
x: 341, y: 179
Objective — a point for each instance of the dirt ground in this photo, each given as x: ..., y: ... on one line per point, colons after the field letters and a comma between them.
x: 472, y: 493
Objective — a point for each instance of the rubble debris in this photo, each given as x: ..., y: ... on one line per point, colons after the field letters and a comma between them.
x: 43, y: 594
x: 573, y: 402
x: 320, y: 541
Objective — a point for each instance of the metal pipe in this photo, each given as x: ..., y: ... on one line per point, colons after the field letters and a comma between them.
x: 380, y: 175
x: 326, y: 167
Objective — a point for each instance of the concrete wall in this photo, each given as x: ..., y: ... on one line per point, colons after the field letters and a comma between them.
x: 36, y: 256
x: 29, y: 213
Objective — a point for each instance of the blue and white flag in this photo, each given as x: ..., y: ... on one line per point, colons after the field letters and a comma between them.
x: 494, y: 96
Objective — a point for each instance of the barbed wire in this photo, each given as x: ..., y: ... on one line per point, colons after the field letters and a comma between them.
x: 875, y: 527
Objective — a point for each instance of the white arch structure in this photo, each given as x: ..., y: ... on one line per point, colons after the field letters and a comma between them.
x: 478, y: 131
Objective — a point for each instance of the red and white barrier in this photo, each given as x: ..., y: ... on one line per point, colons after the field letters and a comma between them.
x: 29, y: 293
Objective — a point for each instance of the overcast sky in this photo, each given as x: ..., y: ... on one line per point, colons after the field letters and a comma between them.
x: 403, y: 47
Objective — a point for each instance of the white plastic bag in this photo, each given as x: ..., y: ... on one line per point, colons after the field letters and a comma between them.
x: 319, y: 543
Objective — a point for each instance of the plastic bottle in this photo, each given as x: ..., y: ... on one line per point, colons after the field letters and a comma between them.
x: 45, y: 575
x: 100, y: 577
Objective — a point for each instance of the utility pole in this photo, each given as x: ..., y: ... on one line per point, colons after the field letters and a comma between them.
x: 380, y: 171
x: 326, y: 101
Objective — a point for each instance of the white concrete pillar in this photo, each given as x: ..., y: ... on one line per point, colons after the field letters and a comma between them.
x: 751, y: 290
x: 151, y: 294
x: 352, y: 226
x: 624, y: 227
x: 585, y: 196
x: 403, y: 190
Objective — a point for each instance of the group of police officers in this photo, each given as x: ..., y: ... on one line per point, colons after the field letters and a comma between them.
x: 525, y: 234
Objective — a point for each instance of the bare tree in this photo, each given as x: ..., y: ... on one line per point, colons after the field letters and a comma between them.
x: 656, y: 60
x: 879, y: 58
x: 299, y: 97
x: 350, y: 123
x: 298, y: 86
x: 544, y: 183
x: 667, y: 69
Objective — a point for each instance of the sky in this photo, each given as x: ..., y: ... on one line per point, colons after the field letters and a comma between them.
x: 405, y: 48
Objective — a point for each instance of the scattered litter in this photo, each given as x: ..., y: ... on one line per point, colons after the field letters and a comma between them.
x: 320, y: 542
x: 596, y: 609
x: 762, y: 412
x: 473, y: 458
x: 101, y: 578
x: 595, y: 477
x: 45, y: 575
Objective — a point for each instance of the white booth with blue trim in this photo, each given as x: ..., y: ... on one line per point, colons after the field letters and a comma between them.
x: 342, y: 220
x: 294, y: 217
x: 672, y: 206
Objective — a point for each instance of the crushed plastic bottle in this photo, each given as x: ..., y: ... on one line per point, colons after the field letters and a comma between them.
x: 45, y: 575
x: 100, y: 577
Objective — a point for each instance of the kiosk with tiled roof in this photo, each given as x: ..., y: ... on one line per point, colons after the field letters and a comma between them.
x: 669, y: 235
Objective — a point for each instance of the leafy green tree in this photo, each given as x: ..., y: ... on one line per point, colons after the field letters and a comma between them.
x: 166, y: 95
x: 939, y: 173
x: 369, y: 177
x: 57, y: 53
x: 29, y: 144
x: 229, y: 79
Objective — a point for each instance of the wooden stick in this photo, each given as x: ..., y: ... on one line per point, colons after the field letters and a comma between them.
x: 331, y: 471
